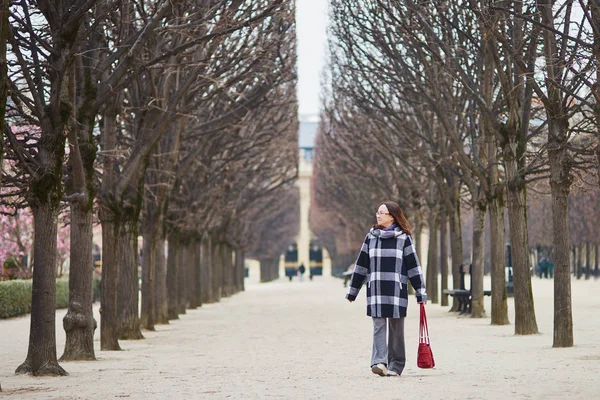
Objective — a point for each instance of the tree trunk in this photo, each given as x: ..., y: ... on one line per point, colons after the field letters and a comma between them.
x: 128, y: 297
x: 173, y: 264
x: 226, y: 270
x: 587, y: 260
x: 444, y: 253
x: 147, y: 317
x: 111, y: 225
x: 217, y: 270
x: 477, y: 306
x: 206, y: 271
x: 41, y: 354
x: 578, y: 265
x: 109, y: 317
x: 240, y: 267
x: 183, y: 277
x: 432, y: 258
x: 525, y: 320
x: 263, y: 270
x: 456, y: 247
x: 499, y: 298
x: 230, y: 269
x: 268, y: 269
x: 160, y: 290
x: 560, y: 180
x: 196, y: 291
x: 596, y: 249
x: 563, y: 317
x: 197, y: 266
x: 573, y: 260
x: 79, y: 322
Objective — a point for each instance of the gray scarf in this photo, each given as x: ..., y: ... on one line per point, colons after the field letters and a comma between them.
x: 386, y: 234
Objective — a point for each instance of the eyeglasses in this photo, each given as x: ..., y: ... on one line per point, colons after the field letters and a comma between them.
x: 381, y: 213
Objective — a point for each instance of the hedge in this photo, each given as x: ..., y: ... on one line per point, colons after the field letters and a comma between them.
x: 15, y: 297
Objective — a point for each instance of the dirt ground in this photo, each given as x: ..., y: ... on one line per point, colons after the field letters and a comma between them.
x: 303, y: 340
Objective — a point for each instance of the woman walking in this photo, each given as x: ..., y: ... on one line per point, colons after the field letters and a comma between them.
x: 387, y: 261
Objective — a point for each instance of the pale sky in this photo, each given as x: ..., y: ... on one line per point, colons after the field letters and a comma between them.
x: 311, y: 22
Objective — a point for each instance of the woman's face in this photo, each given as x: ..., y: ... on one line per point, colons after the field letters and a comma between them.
x: 383, y: 216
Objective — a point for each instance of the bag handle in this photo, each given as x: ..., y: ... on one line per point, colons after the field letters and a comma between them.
x: 423, y: 328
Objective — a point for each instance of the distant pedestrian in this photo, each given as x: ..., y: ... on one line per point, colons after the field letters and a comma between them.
x: 387, y: 261
x: 301, y: 271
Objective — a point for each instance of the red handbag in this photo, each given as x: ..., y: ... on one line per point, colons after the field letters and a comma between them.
x: 424, y: 354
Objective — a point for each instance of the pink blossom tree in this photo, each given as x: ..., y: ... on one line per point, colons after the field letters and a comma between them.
x: 16, y: 238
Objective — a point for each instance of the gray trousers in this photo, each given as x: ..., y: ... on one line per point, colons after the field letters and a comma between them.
x: 390, y: 352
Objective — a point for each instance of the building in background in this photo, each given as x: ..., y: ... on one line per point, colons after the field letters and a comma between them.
x: 307, y: 249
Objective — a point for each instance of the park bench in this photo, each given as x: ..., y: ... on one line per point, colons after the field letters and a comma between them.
x: 462, y: 295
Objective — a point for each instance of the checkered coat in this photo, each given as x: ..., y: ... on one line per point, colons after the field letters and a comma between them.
x: 387, y: 261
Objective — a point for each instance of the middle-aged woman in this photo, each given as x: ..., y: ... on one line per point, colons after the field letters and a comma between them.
x: 387, y: 261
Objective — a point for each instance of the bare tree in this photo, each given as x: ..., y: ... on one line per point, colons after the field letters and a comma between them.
x: 43, y: 99
x: 561, y: 84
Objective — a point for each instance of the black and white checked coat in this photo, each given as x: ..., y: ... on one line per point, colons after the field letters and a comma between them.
x: 387, y: 261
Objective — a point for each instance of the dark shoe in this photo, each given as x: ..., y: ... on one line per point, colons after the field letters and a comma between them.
x: 379, y: 369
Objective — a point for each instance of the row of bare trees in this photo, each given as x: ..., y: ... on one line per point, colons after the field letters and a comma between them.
x: 447, y: 105
x: 173, y: 120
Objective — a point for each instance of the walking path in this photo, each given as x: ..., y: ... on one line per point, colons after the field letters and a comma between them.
x: 302, y: 340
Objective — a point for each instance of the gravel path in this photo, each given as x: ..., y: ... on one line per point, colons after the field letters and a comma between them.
x: 302, y: 340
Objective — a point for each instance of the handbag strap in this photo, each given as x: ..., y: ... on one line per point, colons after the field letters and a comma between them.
x: 423, y: 328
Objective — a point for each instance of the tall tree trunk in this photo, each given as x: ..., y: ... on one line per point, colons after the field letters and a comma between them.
x: 240, y: 268
x: 79, y: 322
x: 183, y: 277
x: 41, y: 354
x: 148, y: 314
x: 173, y: 264
x: 269, y: 268
x: 128, y: 297
x: 217, y: 269
x: 563, y: 317
x: 264, y: 269
x: 560, y: 180
x: 477, y: 306
x: 193, y: 280
x: 160, y: 290
x: 111, y: 224
x: 109, y: 317
x: 197, y: 267
x: 578, y: 263
x: 225, y: 270
x: 432, y: 257
x: 206, y: 270
x: 444, y: 253
x: 499, y: 298
x: 596, y: 264
x: 587, y: 260
x: 456, y: 247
